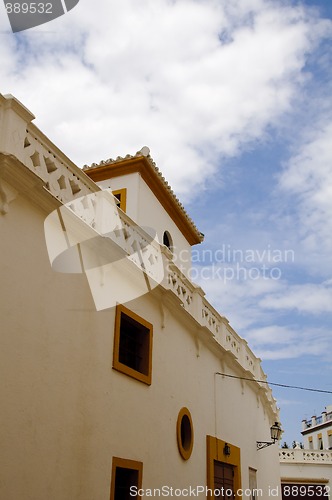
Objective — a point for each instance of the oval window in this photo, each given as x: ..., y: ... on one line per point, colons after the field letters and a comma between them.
x: 185, y: 433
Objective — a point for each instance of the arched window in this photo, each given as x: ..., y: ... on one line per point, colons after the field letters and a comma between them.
x: 167, y: 240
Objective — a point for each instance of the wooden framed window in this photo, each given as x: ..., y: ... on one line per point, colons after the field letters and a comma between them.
x: 253, y: 483
x: 126, y: 479
x: 132, y: 352
x: 305, y: 489
x: 121, y: 196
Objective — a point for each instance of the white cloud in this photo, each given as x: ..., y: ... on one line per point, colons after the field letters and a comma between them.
x: 305, y: 298
x: 238, y: 299
x: 275, y: 342
x: 272, y: 335
x: 255, y: 307
x: 193, y: 80
x: 308, y: 176
x: 196, y: 81
x: 292, y: 352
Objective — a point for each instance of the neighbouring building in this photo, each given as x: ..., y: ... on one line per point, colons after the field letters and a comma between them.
x: 114, y: 366
x: 307, y: 473
x: 317, y: 432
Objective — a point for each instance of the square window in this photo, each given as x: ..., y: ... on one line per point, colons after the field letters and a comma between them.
x: 126, y: 479
x: 132, y: 353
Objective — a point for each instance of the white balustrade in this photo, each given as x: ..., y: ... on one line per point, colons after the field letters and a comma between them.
x: 71, y: 186
x: 298, y: 456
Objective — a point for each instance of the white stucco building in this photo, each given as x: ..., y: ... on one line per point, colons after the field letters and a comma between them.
x: 111, y: 358
x: 317, y: 432
x: 307, y: 473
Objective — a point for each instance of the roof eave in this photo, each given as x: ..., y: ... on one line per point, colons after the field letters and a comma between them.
x: 154, y: 179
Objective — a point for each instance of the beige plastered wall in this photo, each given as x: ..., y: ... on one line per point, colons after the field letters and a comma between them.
x: 65, y: 411
x: 307, y: 472
x: 146, y: 210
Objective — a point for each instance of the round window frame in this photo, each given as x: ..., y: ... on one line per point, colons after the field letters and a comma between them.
x: 185, y: 450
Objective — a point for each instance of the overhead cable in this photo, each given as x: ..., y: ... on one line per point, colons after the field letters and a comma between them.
x: 273, y: 383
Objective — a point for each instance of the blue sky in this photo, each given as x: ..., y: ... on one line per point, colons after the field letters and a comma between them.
x: 234, y: 101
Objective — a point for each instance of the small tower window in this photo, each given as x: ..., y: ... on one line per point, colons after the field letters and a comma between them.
x: 167, y: 240
x: 121, y: 196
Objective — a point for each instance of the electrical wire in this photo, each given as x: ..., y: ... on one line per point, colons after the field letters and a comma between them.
x: 273, y: 383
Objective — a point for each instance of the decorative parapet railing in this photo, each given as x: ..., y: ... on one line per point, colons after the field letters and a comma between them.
x: 321, y: 419
x: 193, y: 301
x: 230, y: 340
x: 21, y: 139
x: 182, y: 288
x: 52, y: 169
x: 305, y: 456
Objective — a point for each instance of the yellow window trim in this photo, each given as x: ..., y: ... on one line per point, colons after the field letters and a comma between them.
x: 143, y: 166
x: 185, y: 449
x: 329, y: 433
x: 117, y: 365
x: 215, y: 451
x: 320, y: 436
x: 122, y: 193
x: 125, y: 464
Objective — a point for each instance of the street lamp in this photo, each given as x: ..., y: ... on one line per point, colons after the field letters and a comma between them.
x: 227, y: 449
x: 276, y: 432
